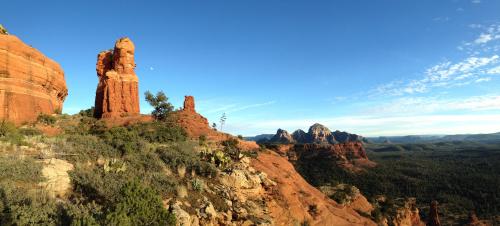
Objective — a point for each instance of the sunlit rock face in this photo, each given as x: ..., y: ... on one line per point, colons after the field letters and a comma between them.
x: 117, y: 93
x: 30, y: 83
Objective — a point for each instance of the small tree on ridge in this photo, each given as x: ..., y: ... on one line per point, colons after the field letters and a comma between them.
x: 162, y: 108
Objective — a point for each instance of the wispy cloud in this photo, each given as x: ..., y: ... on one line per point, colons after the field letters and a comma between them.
x: 476, y: 1
x: 229, y: 108
x: 236, y: 109
x: 481, y: 61
x: 426, y: 105
x: 444, y: 75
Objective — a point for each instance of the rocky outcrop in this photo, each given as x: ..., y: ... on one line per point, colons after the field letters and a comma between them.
x: 117, y: 93
x: 193, y: 123
x: 402, y: 212
x: 433, y: 215
x: 293, y: 201
x: 282, y: 137
x: 57, y: 182
x: 348, y: 195
x: 350, y: 156
x: 189, y: 104
x: 196, y: 125
x: 30, y: 83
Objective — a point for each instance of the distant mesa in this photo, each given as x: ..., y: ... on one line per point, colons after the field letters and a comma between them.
x: 30, y: 83
x: 342, y: 148
x: 117, y: 93
x: 317, y: 134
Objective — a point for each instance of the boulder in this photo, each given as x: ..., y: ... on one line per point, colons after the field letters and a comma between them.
x: 57, y: 182
x: 30, y: 83
x: 117, y: 93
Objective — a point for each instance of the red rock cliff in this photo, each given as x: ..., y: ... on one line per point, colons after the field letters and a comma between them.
x: 117, y: 93
x: 30, y: 82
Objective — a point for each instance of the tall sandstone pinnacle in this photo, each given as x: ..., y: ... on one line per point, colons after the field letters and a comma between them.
x: 30, y: 83
x: 117, y: 93
x: 189, y: 104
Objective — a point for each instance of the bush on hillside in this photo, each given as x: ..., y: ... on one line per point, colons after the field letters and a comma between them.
x: 46, y: 119
x: 184, y: 154
x: 161, y: 107
x: 138, y: 205
x: 87, y: 112
x: 9, y: 133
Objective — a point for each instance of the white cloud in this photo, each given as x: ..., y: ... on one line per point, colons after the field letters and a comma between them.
x: 483, y: 38
x: 228, y: 108
x: 476, y: 1
x: 495, y: 70
x: 443, y: 75
x: 487, y: 79
x: 426, y: 105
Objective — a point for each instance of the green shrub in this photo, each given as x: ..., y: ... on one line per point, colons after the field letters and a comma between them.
x: 198, y: 184
x: 184, y: 154
x: 123, y: 139
x: 30, y: 131
x: 87, y: 112
x: 138, y: 205
x: 159, y: 132
x: 9, y: 133
x: 46, y: 119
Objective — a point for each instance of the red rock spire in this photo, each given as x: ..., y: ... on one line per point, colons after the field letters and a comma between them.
x: 117, y: 93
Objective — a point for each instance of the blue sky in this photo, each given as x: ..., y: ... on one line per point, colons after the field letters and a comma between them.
x: 382, y: 67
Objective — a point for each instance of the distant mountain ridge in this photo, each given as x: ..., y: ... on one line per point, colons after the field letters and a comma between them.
x: 317, y: 134
x: 482, y: 138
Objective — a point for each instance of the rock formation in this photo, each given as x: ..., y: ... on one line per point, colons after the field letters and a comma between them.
x: 189, y: 104
x: 30, y: 83
x: 349, y: 156
x: 299, y: 135
x: 433, y: 215
x: 405, y: 212
x: 318, y: 134
x: 117, y: 93
x: 282, y: 137
x: 293, y: 201
x: 193, y: 123
x: 318, y: 144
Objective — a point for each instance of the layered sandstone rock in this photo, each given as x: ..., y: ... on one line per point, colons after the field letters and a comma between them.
x: 117, y: 93
x: 349, y: 156
x: 406, y: 214
x: 30, y: 83
x: 293, y: 201
x: 189, y: 104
